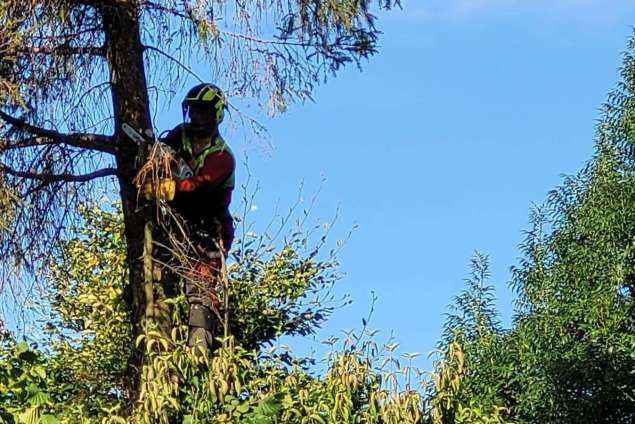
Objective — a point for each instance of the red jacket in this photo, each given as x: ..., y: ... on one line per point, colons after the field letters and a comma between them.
x: 204, y: 198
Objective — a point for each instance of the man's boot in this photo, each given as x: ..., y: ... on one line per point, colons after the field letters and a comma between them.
x: 201, y: 324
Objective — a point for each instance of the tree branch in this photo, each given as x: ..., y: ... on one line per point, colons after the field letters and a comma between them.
x: 6, y: 144
x: 64, y: 50
x: 97, y: 142
x: 161, y: 8
x: 175, y: 60
x: 51, y: 178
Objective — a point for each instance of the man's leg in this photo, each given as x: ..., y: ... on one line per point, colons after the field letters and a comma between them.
x: 200, y: 290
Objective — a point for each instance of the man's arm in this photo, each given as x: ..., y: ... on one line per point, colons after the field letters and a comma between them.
x: 216, y: 169
x: 173, y: 138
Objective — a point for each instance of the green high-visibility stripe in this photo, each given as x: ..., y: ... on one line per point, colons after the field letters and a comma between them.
x: 209, y: 95
x: 218, y: 146
x: 198, y: 95
x: 185, y: 140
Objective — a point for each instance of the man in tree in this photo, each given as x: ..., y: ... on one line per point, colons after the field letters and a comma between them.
x: 74, y: 72
x: 202, y: 200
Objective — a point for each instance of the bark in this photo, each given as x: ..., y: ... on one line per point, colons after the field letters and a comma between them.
x: 124, y: 53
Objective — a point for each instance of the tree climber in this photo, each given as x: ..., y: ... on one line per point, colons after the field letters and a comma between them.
x: 202, y: 200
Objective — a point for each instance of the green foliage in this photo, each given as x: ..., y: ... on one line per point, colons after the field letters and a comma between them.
x: 280, y: 290
x: 473, y: 312
x: 272, y: 293
x: 569, y: 358
x: 24, y: 381
x: 472, y: 370
x: 90, y: 328
x: 576, y: 328
x: 240, y: 386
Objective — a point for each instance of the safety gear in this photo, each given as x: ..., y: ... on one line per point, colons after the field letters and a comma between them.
x: 207, y: 194
x: 201, y: 316
x: 205, y: 96
x: 202, y: 339
x: 165, y: 190
x: 218, y: 145
x: 204, y: 303
x: 200, y: 291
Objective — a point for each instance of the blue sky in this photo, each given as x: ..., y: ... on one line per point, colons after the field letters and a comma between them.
x: 472, y: 110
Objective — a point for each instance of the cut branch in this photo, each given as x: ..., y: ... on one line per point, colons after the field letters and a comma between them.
x: 51, y: 178
x: 96, y: 142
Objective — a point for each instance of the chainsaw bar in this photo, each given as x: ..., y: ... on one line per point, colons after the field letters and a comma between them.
x: 132, y: 133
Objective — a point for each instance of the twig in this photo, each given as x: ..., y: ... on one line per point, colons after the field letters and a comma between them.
x: 175, y: 60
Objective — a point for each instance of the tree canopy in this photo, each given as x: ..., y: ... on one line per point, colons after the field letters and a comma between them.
x: 569, y: 356
x: 73, y: 72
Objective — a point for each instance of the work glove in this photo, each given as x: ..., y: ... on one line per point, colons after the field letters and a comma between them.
x: 185, y: 185
x: 163, y: 191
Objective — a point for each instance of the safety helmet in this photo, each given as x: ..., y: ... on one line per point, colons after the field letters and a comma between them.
x: 206, y: 95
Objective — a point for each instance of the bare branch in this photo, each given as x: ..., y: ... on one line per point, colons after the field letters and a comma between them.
x: 161, y: 8
x: 175, y: 60
x: 281, y: 42
x: 97, y: 142
x: 50, y: 178
x: 64, y: 50
x: 6, y: 144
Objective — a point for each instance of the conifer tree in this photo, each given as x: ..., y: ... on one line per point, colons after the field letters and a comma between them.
x: 72, y: 72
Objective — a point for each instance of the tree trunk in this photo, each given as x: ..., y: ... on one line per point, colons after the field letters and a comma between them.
x: 131, y: 105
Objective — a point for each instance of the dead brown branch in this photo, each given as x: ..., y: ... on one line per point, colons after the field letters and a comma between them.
x: 50, y: 178
x: 96, y: 142
x: 64, y: 50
